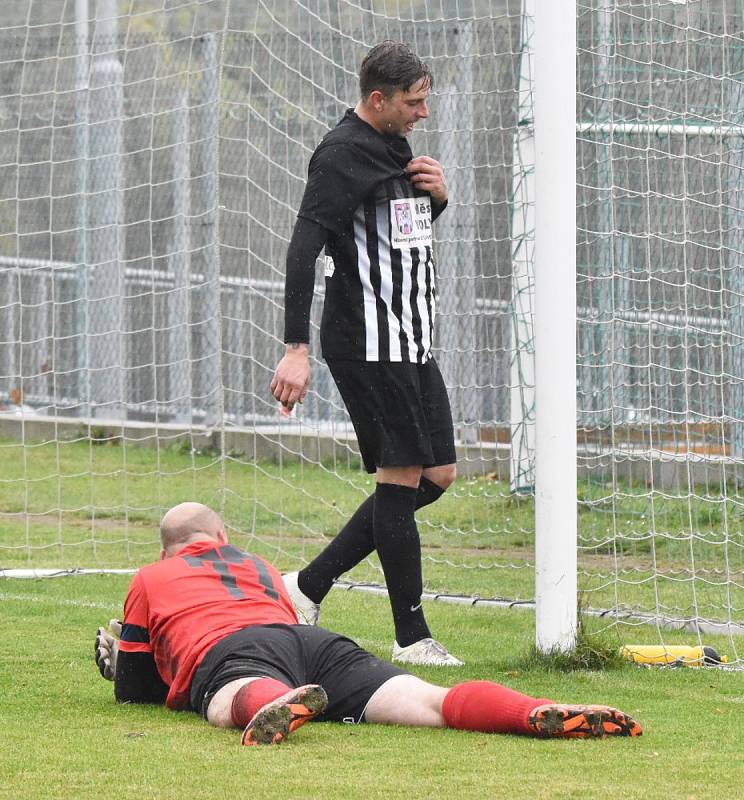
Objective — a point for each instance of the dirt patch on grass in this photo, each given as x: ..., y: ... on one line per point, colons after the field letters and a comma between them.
x: 113, y: 524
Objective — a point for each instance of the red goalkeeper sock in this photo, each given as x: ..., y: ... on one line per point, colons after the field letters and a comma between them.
x: 254, y: 696
x: 488, y: 707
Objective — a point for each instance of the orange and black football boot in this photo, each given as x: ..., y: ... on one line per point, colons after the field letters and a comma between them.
x: 562, y: 721
x: 277, y: 719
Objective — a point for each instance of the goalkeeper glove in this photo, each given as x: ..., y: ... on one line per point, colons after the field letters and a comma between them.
x: 107, y: 648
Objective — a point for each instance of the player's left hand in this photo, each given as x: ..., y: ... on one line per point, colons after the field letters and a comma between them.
x: 426, y: 173
x: 107, y: 648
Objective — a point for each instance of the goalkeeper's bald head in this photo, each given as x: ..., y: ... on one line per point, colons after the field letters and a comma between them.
x: 189, y: 522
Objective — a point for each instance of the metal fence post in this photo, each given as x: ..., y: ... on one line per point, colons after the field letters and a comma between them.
x: 210, y: 372
x: 105, y: 267
x: 179, y: 300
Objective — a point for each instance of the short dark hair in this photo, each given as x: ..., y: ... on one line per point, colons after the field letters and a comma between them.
x: 390, y: 66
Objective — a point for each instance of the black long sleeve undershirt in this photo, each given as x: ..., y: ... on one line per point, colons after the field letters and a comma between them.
x: 308, y: 239
x: 437, y: 208
x: 137, y: 679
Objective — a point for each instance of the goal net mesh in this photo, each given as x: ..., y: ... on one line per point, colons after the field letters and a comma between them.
x: 153, y: 154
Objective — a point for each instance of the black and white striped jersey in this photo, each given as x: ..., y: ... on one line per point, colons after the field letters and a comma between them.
x: 380, y: 302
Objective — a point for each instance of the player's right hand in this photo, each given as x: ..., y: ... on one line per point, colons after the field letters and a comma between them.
x: 107, y: 648
x: 292, y: 376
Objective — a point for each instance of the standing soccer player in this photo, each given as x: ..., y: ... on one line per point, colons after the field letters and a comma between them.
x: 372, y: 205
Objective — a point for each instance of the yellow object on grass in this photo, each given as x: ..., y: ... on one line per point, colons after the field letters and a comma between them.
x: 676, y: 655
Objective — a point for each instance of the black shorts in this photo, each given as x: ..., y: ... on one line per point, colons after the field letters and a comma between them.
x: 295, y: 655
x: 400, y: 412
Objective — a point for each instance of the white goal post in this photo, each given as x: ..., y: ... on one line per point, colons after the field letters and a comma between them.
x: 590, y: 276
x: 555, y: 324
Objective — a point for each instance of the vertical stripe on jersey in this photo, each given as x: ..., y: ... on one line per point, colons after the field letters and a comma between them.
x: 407, y: 308
x: 390, y: 284
x: 418, y: 286
x: 374, y: 251
x: 431, y: 296
x: 370, y: 303
x: 424, y: 308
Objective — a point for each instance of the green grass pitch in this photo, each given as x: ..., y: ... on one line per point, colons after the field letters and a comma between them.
x: 66, y: 504
x: 63, y: 736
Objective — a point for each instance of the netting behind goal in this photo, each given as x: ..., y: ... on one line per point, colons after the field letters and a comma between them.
x: 153, y: 156
x: 661, y: 296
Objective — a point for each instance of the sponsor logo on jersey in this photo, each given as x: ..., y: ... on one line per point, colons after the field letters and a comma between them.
x: 403, y: 218
x: 410, y: 223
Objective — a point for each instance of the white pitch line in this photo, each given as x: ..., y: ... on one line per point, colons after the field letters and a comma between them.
x: 54, y: 601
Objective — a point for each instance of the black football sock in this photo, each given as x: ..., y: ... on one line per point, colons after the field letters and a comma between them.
x: 398, y: 546
x: 353, y: 544
x: 428, y: 492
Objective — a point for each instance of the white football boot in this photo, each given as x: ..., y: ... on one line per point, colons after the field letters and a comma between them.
x: 426, y: 653
x: 307, y: 611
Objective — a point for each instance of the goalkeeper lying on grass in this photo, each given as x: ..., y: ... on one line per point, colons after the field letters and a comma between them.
x: 212, y: 629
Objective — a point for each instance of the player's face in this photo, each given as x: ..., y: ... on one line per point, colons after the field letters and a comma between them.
x: 404, y: 109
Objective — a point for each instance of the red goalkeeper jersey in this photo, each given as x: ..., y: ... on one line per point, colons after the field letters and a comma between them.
x: 178, y: 608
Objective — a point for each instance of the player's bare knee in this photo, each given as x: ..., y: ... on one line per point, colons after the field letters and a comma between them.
x: 407, y: 700
x: 401, y: 476
x: 449, y: 475
x: 444, y: 476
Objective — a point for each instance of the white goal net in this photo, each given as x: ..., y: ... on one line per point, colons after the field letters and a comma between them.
x: 153, y: 155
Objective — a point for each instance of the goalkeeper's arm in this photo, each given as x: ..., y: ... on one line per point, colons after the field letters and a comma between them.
x: 107, y: 649
x: 135, y: 675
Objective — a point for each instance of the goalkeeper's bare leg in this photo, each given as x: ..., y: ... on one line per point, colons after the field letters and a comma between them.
x: 269, y: 710
x: 490, y: 707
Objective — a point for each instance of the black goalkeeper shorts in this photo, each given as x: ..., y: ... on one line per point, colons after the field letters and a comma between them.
x: 400, y: 412
x: 295, y: 655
